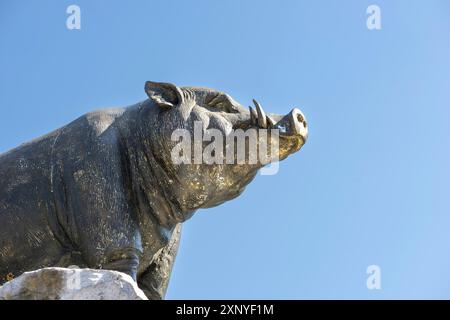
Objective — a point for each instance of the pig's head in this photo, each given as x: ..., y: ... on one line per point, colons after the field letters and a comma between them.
x: 196, y: 180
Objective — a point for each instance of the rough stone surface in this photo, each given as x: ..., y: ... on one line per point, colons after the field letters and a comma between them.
x: 72, y: 284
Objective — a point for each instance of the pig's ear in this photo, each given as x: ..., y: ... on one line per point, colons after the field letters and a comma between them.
x: 165, y: 95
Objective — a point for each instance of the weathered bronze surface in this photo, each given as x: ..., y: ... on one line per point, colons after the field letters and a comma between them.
x: 103, y: 191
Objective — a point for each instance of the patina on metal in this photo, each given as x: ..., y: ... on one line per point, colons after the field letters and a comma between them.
x: 103, y: 191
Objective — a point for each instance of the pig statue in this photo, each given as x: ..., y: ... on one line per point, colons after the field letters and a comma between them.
x: 105, y: 191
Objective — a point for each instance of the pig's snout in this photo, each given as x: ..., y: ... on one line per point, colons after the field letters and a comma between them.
x: 293, y: 124
x: 293, y: 128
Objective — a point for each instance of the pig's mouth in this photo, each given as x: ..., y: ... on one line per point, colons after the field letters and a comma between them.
x: 292, y: 128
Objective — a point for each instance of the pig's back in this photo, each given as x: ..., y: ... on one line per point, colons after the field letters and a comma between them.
x: 32, y: 231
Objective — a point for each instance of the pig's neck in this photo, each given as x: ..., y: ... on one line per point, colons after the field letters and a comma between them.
x: 149, y: 177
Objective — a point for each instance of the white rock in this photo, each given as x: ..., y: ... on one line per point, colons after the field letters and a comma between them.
x: 72, y: 284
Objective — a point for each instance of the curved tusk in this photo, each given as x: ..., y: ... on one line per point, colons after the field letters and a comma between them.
x: 262, y: 121
x: 270, y: 121
x: 253, y: 116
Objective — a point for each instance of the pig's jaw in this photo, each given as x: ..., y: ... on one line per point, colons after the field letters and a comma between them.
x: 289, y: 145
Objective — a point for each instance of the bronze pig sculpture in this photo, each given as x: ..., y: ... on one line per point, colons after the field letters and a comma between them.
x: 104, y: 192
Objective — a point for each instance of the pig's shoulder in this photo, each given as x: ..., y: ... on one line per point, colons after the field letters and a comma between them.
x: 100, y: 120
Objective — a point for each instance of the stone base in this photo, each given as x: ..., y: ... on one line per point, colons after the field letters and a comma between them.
x: 72, y: 284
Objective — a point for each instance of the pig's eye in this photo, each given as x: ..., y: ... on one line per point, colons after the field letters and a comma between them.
x: 225, y: 107
x: 221, y: 103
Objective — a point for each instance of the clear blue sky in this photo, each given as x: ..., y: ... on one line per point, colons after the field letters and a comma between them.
x: 370, y: 187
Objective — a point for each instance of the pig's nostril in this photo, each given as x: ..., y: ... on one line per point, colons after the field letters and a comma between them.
x: 300, y: 118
